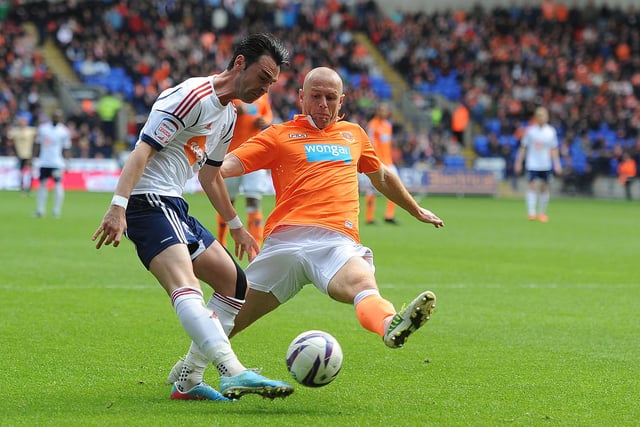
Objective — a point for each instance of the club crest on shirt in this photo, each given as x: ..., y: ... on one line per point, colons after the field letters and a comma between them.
x: 165, y: 130
x: 195, y: 152
x: 347, y: 136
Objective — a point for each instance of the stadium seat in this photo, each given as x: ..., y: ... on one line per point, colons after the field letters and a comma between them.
x: 508, y: 140
x: 493, y: 125
x: 425, y: 88
x: 454, y: 163
x: 578, y: 158
x: 481, y: 145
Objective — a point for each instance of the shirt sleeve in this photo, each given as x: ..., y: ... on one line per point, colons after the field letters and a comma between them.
x: 259, y: 151
x: 163, y: 125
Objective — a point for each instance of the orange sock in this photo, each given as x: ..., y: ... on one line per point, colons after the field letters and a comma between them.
x: 256, y: 226
x: 390, y: 212
x: 370, y: 212
x: 372, y: 311
x: 222, y: 231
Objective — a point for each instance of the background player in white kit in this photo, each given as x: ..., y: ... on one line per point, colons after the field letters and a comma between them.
x: 540, y: 145
x: 53, y: 143
x: 188, y: 130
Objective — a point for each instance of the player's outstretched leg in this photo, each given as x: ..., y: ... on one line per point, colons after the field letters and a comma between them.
x: 250, y: 382
x: 202, y: 391
x: 409, y: 319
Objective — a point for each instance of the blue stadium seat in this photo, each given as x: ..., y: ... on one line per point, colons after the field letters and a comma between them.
x: 355, y: 80
x: 481, y: 144
x: 454, y: 163
x: 493, y: 125
x: 118, y: 73
x: 77, y: 64
x: 425, y: 88
x: 508, y: 140
x: 578, y: 158
x: 382, y: 90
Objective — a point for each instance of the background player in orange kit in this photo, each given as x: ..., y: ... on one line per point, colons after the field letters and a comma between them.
x: 252, y: 118
x: 380, y: 131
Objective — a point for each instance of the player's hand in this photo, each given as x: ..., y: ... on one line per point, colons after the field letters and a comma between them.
x: 425, y: 215
x: 245, y: 243
x: 112, y: 227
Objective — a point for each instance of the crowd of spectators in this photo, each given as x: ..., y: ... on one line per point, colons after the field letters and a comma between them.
x: 23, y: 75
x: 583, y: 64
x: 154, y: 44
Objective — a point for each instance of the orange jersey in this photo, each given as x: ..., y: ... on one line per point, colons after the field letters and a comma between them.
x: 380, y: 132
x: 626, y: 169
x: 314, y: 172
x: 246, y: 122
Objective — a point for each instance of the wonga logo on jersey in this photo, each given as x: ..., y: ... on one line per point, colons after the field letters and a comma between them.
x: 327, y: 152
x: 165, y: 131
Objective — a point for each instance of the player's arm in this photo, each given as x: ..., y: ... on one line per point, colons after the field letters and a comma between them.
x: 265, y: 112
x: 518, y: 163
x: 390, y: 185
x: 114, y: 222
x: 213, y: 185
x: 232, y: 166
x: 555, y: 158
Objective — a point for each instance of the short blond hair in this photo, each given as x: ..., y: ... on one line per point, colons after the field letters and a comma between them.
x: 542, y: 113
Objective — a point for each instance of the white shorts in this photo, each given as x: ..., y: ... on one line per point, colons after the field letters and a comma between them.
x: 294, y: 256
x: 252, y: 185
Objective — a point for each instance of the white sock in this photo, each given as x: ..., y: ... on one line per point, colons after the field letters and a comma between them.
x: 531, y: 202
x: 363, y: 294
x: 26, y: 180
x: 544, y: 202
x: 226, y: 308
x: 58, y: 198
x: 193, y: 369
x: 41, y: 198
x: 204, y: 328
x: 227, y: 362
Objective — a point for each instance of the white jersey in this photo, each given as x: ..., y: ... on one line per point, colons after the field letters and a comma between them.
x: 539, y: 141
x: 53, y: 140
x: 189, y: 127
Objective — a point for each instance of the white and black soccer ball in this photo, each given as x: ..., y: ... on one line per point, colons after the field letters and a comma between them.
x: 314, y: 358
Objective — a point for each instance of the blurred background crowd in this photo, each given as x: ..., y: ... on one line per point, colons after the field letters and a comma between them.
x: 463, y: 82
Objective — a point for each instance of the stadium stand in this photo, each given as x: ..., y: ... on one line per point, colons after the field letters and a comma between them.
x: 501, y: 62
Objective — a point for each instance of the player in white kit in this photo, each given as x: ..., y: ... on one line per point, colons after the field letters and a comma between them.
x: 53, y: 143
x: 540, y: 145
x: 188, y: 130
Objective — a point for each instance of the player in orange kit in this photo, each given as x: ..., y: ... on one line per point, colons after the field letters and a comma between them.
x: 252, y: 118
x: 380, y: 131
x: 312, y: 234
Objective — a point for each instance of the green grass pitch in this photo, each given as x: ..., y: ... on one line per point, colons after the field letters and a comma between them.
x: 536, y: 324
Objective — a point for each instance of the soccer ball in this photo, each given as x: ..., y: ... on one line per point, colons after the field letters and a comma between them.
x: 314, y: 358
